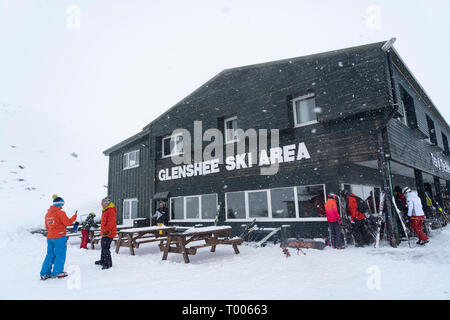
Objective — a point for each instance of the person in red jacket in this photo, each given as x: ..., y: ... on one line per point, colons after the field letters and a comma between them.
x: 56, y: 222
x: 108, y: 230
x: 334, y: 222
x: 358, y: 220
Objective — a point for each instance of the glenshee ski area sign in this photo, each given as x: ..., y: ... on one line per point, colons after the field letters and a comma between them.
x: 288, y: 153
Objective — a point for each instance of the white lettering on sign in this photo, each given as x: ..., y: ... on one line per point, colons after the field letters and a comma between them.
x: 440, y: 163
x: 276, y: 155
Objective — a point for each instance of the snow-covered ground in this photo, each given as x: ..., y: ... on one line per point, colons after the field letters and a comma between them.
x: 255, y: 273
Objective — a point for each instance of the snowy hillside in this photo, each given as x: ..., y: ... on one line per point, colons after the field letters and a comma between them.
x: 38, y: 158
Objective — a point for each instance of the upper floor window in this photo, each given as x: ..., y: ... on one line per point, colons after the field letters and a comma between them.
x: 445, y: 143
x: 231, y: 127
x: 131, y: 159
x: 172, y: 145
x: 408, y: 108
x: 304, y: 110
x: 431, y: 130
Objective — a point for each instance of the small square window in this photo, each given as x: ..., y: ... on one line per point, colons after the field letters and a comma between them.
x: 305, y: 111
x: 172, y: 145
x: 131, y: 159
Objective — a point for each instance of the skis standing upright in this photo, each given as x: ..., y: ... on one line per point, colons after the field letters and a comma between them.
x: 346, y: 229
x: 216, y: 222
x: 380, y: 219
x: 402, y: 222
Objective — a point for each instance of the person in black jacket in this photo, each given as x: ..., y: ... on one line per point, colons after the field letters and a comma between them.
x: 161, y: 216
x: 86, y: 226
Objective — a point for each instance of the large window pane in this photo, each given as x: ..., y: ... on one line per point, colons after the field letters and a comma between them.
x: 235, y: 205
x: 134, y: 209
x: 257, y: 203
x: 192, y: 208
x: 177, y: 208
x: 209, y: 206
x: 311, y: 201
x: 126, y: 210
x: 283, y: 203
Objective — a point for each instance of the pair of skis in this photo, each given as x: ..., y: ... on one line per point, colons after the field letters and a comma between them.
x: 346, y: 225
x: 380, y: 219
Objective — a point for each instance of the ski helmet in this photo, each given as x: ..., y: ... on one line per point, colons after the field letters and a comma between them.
x: 406, y: 190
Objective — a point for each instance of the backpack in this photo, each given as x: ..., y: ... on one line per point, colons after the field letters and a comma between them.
x: 362, y: 205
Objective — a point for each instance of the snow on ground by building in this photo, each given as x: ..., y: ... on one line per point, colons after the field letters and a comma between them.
x: 255, y: 273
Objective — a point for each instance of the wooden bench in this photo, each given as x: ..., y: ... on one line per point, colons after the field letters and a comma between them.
x: 210, y: 237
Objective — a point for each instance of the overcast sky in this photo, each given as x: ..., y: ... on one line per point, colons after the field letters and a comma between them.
x: 107, y: 68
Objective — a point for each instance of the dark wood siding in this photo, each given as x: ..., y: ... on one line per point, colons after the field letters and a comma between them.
x: 130, y: 183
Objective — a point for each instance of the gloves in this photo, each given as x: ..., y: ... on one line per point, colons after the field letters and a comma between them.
x: 106, y: 234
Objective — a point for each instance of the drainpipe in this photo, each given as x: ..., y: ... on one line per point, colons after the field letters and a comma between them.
x: 382, y: 163
x: 152, y: 164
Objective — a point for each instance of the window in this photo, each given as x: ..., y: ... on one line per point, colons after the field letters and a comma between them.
x: 445, y: 143
x: 235, y: 203
x: 283, y: 202
x: 177, y: 208
x: 209, y: 206
x: 304, y: 110
x: 231, y: 127
x: 258, y: 206
x: 172, y: 145
x: 311, y: 200
x: 279, y: 203
x: 409, y: 109
x: 366, y: 193
x: 131, y: 159
x: 431, y: 130
x: 202, y: 207
x: 130, y: 209
x: 192, y: 207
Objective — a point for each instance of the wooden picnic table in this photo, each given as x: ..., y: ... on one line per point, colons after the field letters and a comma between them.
x: 209, y: 237
x: 133, y: 237
x: 95, y: 237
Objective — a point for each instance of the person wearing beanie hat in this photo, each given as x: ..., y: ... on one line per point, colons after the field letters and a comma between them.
x: 56, y: 222
x: 86, y: 226
x: 108, y: 230
x: 58, y: 202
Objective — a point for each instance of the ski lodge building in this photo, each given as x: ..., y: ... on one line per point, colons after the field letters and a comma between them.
x: 334, y: 112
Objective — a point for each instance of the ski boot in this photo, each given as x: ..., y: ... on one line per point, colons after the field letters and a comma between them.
x: 61, y: 275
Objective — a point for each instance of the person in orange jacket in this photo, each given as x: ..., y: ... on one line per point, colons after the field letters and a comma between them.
x: 108, y: 230
x: 358, y: 220
x: 334, y: 222
x: 56, y: 222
